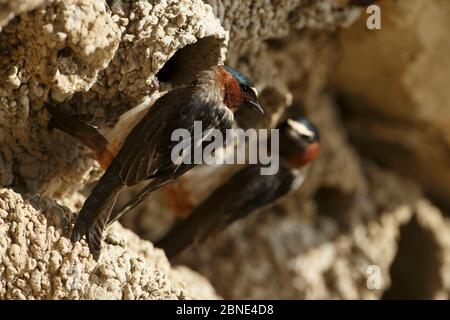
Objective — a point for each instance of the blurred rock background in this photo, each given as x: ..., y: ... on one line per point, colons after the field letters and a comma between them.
x: 371, y: 220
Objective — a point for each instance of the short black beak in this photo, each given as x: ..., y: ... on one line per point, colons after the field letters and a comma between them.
x: 256, y: 106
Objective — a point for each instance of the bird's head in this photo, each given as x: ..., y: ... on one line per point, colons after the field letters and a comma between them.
x: 238, y: 89
x: 299, y: 141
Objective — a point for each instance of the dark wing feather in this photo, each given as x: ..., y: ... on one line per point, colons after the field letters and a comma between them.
x: 94, y: 214
x: 137, y: 146
x: 245, y: 192
x: 147, y: 149
x: 146, y: 153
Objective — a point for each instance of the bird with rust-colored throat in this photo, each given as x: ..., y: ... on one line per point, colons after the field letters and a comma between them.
x: 247, y: 191
x: 144, y: 152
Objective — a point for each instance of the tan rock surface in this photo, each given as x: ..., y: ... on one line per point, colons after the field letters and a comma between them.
x: 38, y: 261
x: 355, y: 217
x: 394, y: 82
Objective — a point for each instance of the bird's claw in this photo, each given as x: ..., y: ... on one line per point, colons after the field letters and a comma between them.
x: 94, y: 242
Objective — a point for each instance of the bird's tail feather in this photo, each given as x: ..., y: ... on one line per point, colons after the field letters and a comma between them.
x: 94, y: 230
x: 95, y: 213
x: 86, y: 134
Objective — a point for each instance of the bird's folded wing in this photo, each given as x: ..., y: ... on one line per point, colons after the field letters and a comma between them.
x: 245, y: 192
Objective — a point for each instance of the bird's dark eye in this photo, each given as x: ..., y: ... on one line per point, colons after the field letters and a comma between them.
x: 248, y: 91
x: 310, y: 139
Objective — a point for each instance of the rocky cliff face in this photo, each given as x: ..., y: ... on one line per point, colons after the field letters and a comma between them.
x: 368, y: 223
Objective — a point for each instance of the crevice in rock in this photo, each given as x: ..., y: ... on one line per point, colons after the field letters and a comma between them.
x: 440, y: 202
x: 415, y: 272
x: 334, y: 203
x: 182, y: 67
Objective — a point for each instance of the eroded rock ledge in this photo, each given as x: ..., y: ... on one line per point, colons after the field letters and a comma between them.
x: 99, y: 60
x: 37, y: 260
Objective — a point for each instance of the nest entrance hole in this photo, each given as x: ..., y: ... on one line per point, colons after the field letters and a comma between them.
x: 183, y: 66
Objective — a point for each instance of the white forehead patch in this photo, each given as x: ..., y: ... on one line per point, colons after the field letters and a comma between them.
x: 300, y: 128
x: 255, y: 91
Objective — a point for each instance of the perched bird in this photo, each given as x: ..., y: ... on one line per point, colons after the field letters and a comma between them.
x: 145, y: 152
x: 247, y: 190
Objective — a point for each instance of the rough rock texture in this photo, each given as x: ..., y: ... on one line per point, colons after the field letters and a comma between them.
x: 350, y: 218
x: 356, y: 229
x: 37, y: 261
x: 404, y: 121
x: 321, y: 242
x: 101, y: 61
x: 9, y: 9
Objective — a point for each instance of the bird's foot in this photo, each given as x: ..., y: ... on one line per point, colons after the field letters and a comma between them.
x: 93, y: 236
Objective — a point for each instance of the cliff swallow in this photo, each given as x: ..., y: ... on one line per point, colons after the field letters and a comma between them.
x: 247, y: 190
x: 145, y: 152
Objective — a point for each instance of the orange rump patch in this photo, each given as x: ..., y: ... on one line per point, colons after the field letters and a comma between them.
x: 177, y: 199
